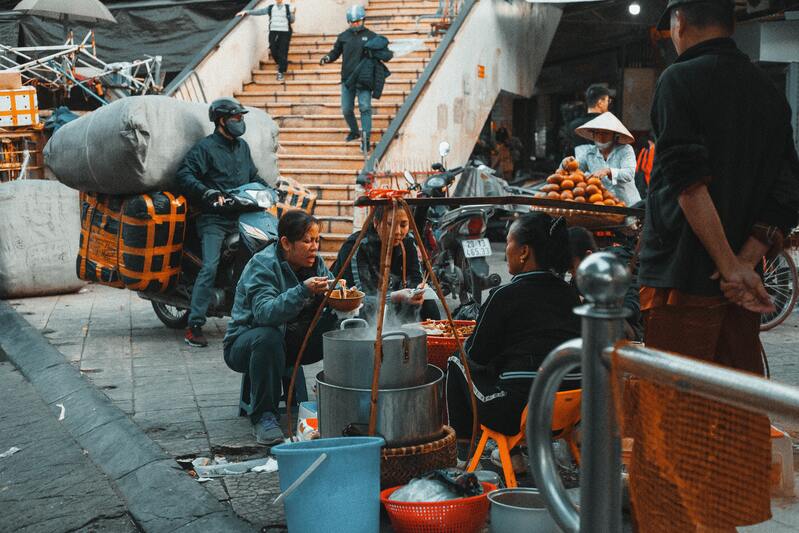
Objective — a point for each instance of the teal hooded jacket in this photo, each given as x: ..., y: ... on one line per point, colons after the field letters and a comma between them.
x: 269, y: 293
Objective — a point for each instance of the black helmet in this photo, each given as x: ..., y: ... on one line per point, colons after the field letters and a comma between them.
x: 225, y: 107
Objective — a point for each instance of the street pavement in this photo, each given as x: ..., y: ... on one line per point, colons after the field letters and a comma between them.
x: 186, y: 399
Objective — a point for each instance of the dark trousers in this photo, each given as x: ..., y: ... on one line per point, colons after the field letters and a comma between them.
x: 212, y: 230
x: 264, y: 353
x: 279, y: 48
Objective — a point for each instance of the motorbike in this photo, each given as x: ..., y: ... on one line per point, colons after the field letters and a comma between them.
x: 454, y: 238
x: 257, y: 227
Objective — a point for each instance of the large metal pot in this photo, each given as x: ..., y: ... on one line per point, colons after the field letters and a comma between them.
x: 404, y: 416
x: 350, y: 352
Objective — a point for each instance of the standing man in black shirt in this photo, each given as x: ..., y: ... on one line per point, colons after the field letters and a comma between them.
x: 350, y: 43
x: 723, y: 193
x: 597, y: 101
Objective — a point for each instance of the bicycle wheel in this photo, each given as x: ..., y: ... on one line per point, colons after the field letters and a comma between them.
x: 780, y: 280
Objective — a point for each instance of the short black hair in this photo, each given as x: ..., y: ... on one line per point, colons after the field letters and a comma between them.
x: 548, y: 238
x: 580, y: 241
x: 595, y: 93
x: 707, y: 14
x: 294, y: 224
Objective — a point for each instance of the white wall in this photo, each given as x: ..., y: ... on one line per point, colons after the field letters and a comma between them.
x: 323, y: 16
x: 225, y: 69
x: 511, y: 41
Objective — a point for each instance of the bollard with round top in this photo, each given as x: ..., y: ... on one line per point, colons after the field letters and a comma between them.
x: 603, y: 280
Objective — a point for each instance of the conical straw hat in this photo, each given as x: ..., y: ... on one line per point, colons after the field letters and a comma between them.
x: 606, y: 121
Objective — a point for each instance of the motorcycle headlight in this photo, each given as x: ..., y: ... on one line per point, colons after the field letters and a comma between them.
x: 264, y: 199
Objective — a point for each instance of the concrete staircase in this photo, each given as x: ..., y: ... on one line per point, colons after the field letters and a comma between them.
x: 306, y: 106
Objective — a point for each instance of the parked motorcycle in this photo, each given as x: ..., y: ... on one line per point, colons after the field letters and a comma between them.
x: 257, y: 228
x: 454, y: 238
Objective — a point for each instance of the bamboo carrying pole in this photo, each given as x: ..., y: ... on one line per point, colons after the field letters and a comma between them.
x: 386, y: 251
x: 440, y: 293
x: 303, y: 346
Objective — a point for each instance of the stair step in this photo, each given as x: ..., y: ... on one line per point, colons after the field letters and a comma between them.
x: 333, y: 208
x: 307, y: 85
x: 312, y: 76
x: 333, y: 191
x: 276, y: 98
x: 319, y: 147
x: 323, y: 162
x: 285, y: 121
x: 335, y: 224
x: 401, y: 4
x: 313, y: 56
x: 307, y: 62
x: 335, y: 237
x: 320, y: 134
x: 322, y: 176
x: 329, y: 38
x: 320, y: 108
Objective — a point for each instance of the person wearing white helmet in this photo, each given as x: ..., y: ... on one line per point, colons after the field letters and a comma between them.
x: 350, y: 44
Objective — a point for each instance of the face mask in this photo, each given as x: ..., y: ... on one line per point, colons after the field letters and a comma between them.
x: 603, y: 146
x: 235, y: 128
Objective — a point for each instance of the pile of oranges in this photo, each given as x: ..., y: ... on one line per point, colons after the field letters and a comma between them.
x: 571, y: 185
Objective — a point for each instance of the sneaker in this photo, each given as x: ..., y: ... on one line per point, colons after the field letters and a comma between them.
x: 351, y: 136
x: 280, y: 76
x: 517, y: 460
x: 365, y: 146
x: 194, y: 337
x: 267, y: 430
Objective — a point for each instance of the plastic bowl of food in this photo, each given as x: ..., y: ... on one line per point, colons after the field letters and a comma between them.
x: 345, y: 299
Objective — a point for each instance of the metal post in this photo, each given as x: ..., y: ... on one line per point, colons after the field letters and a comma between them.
x: 603, y: 280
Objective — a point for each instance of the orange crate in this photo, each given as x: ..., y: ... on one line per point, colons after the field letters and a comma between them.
x: 463, y: 515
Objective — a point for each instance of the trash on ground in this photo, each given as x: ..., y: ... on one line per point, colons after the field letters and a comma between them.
x: 63, y: 411
x: 219, y: 466
x: 8, y: 453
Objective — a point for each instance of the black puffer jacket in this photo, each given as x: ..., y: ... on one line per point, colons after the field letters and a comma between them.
x: 350, y: 44
x: 371, y: 73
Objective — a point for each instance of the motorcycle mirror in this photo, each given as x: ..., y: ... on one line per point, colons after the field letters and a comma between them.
x: 437, y: 167
x: 409, y: 178
x: 444, y: 148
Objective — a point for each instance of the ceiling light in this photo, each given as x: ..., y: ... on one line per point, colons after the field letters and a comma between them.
x: 634, y: 8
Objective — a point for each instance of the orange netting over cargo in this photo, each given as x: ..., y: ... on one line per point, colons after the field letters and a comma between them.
x: 695, y: 464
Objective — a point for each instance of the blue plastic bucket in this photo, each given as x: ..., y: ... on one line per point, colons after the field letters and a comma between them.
x: 342, y: 494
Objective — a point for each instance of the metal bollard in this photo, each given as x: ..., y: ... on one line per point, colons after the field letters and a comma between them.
x: 603, y: 280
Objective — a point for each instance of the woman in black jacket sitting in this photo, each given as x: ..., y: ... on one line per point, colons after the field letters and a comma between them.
x: 519, y: 324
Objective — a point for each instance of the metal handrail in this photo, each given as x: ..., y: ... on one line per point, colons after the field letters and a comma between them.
x: 397, y: 122
x: 733, y: 387
x: 200, y: 56
x: 603, y: 279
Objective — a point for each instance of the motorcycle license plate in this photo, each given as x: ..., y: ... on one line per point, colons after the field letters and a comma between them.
x: 476, y: 248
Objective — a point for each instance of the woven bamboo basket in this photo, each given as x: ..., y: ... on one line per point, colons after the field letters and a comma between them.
x: 400, y: 465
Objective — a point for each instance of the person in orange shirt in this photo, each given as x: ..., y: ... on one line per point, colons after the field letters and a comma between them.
x: 643, y: 165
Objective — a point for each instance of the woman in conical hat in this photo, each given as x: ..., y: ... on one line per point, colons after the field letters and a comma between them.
x: 610, y: 158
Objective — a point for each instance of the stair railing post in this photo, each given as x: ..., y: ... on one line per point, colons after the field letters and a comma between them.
x: 603, y: 280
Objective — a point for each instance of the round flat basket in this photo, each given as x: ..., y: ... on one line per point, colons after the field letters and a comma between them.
x: 462, y: 515
x: 400, y: 465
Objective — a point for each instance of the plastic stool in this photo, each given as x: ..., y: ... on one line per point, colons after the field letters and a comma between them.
x: 565, y: 415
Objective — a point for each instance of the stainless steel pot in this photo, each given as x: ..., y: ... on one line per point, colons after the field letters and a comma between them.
x: 349, y: 356
x: 404, y: 416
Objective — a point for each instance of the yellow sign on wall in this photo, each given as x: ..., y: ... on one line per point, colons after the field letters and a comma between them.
x: 481, y: 71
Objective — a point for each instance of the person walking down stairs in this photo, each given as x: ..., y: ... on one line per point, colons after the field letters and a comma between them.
x: 281, y: 17
x: 350, y: 43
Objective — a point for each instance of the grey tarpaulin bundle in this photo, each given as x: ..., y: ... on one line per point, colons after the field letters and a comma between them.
x: 136, y: 144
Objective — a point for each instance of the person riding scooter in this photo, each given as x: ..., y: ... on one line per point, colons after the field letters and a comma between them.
x: 218, y: 163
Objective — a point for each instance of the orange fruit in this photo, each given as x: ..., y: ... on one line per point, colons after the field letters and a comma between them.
x: 579, y: 199
x: 553, y: 195
x: 540, y: 195
x: 567, y: 184
x: 550, y: 187
x: 595, y: 198
x: 572, y: 165
x: 578, y: 191
x: 566, y: 195
x: 608, y: 201
x: 554, y: 178
x: 595, y: 181
x: 592, y: 189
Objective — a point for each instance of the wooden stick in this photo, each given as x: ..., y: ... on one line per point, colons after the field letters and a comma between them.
x: 344, y: 266
x: 386, y: 251
x: 437, y: 285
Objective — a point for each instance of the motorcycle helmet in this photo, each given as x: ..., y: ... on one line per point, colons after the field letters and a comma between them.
x: 355, y: 13
x: 225, y: 107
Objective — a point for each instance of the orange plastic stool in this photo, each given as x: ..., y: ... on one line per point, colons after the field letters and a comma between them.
x: 565, y: 415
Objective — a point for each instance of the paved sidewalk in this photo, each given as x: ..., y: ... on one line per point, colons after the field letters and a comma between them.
x: 185, y: 399
x: 76, y: 496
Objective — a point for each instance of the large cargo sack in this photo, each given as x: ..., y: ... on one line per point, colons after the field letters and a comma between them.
x: 136, y: 144
x: 134, y: 242
x: 39, y: 230
x: 291, y: 194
